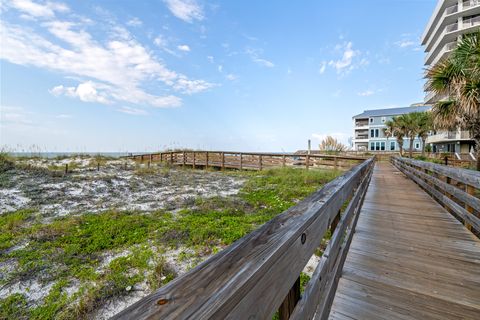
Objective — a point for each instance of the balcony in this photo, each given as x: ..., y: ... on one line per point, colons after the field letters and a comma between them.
x: 471, y: 3
x: 451, y: 9
x: 361, y: 123
x: 449, y: 136
x: 471, y: 22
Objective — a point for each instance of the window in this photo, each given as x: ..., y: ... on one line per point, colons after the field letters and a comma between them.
x: 382, y: 146
x: 384, y: 119
x: 372, y: 133
x: 377, y: 146
x: 376, y: 133
x: 392, y: 145
x: 372, y: 146
x: 417, y: 145
x: 371, y: 120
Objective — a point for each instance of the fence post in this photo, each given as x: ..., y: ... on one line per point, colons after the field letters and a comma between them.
x: 470, y: 190
x: 307, y: 161
x: 241, y: 161
x: 98, y: 166
x: 141, y: 158
x: 206, y: 160
x: 193, y: 159
x: 283, y: 160
x: 260, y: 164
x: 171, y: 157
x: 446, y: 160
x: 184, y: 158
x: 66, y: 168
x: 151, y: 157
x: 290, y: 301
x: 223, y: 161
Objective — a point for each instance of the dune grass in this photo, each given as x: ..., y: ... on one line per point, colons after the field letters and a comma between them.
x: 71, y: 249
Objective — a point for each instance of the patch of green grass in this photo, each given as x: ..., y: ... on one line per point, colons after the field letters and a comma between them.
x: 12, y: 227
x: 73, y: 247
x: 14, y: 307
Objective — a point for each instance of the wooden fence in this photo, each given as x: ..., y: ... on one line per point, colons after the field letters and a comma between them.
x: 456, y: 189
x: 244, y: 160
x: 260, y: 273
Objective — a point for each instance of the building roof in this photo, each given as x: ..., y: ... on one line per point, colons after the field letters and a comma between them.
x: 393, y: 111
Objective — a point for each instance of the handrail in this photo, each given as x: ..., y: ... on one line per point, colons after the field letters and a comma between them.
x: 248, y: 160
x: 254, y: 276
x: 453, y: 187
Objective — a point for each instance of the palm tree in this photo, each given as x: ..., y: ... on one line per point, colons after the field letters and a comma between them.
x: 396, y: 129
x: 408, y: 123
x: 458, y: 78
x: 425, y: 125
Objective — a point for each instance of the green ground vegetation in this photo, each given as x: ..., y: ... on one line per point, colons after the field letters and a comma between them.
x: 70, y: 251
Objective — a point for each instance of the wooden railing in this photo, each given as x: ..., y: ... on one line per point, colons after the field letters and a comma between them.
x: 259, y: 274
x: 456, y: 189
x: 244, y: 160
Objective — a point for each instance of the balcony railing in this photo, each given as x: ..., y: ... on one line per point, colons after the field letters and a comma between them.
x: 451, y: 27
x: 471, y: 22
x: 470, y: 3
x: 451, y: 9
x: 361, y: 123
x: 448, y: 135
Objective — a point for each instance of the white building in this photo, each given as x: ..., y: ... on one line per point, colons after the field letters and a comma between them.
x: 450, y: 20
x: 369, y: 129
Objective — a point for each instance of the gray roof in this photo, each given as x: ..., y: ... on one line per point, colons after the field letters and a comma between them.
x: 393, y: 111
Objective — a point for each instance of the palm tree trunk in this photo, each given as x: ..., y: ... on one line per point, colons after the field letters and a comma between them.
x: 411, y: 147
x: 423, y: 146
x: 477, y: 152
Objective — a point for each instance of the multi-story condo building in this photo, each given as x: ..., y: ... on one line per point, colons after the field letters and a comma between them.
x: 450, y: 20
x: 369, y: 129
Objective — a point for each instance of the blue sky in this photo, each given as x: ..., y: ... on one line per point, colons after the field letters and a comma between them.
x: 236, y: 75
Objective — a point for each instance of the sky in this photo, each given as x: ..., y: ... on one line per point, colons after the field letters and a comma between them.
x: 137, y: 76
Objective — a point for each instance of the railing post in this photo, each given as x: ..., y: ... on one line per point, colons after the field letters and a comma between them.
x: 193, y: 159
x: 260, y: 164
x: 241, y: 161
x: 66, y: 168
x: 161, y: 156
x: 223, y: 161
x: 470, y: 190
x: 307, y: 161
x: 184, y: 158
x: 288, y: 305
x: 283, y: 161
x: 171, y: 157
x: 151, y: 157
x: 141, y: 158
x: 335, y: 162
x: 206, y: 160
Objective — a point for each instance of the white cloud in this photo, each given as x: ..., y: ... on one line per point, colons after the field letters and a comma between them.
x: 366, y: 93
x: 186, y: 10
x: 160, y: 41
x: 231, y: 77
x: 323, y: 66
x: 405, y: 43
x: 183, y: 47
x: 14, y: 116
x: 132, y: 111
x: 254, y: 54
x: 211, y: 59
x: 33, y: 9
x: 344, y: 65
x: 111, y: 71
x: 192, y: 86
x: 134, y: 22
x: 86, y: 92
x: 220, y: 68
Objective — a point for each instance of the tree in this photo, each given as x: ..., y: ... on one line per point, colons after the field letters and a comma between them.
x: 425, y: 125
x: 458, y: 79
x: 330, y: 144
x: 395, y: 129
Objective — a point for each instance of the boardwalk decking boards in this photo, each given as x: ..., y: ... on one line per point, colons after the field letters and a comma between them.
x: 409, y: 258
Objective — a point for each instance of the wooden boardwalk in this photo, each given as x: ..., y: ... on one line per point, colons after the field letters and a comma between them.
x: 409, y: 258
